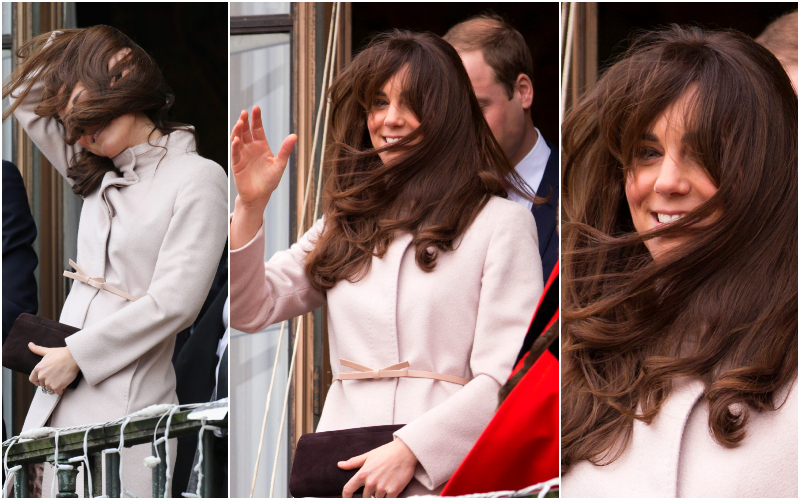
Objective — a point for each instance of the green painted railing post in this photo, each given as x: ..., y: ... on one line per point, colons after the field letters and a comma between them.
x: 159, y: 471
x: 67, y: 479
x: 112, y: 475
x: 208, y: 467
x: 21, y: 482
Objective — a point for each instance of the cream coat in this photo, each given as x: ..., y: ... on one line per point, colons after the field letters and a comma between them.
x: 157, y: 232
x: 676, y: 456
x: 467, y: 318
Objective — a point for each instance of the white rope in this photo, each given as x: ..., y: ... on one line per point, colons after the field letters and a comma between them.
x: 41, y: 432
x: 567, y: 62
x: 85, y: 459
x: 330, y: 57
x: 168, y: 480
x: 55, y: 473
x: 266, y: 409
x: 9, y: 472
x: 327, y: 108
x: 199, y: 467
x: 285, y: 403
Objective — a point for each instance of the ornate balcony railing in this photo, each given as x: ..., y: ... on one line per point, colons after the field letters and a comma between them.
x: 91, y: 447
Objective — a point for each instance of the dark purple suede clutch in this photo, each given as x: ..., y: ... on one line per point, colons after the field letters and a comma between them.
x: 315, y: 472
x: 42, y: 332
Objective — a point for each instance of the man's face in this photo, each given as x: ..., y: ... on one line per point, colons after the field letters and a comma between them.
x: 506, y: 117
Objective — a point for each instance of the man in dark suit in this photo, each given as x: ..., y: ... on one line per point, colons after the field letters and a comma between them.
x: 19, y: 258
x: 500, y: 67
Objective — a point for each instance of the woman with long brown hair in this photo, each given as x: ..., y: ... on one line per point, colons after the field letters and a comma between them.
x: 424, y: 265
x: 679, y: 374
x: 151, y: 231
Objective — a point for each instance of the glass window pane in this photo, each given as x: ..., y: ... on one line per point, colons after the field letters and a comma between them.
x: 260, y: 75
x: 6, y: 18
x: 260, y: 8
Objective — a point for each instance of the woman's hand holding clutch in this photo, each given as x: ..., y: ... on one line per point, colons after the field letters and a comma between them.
x: 385, y: 471
x: 256, y: 172
x: 56, y: 370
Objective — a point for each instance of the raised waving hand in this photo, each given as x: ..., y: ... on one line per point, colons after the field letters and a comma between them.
x: 256, y: 172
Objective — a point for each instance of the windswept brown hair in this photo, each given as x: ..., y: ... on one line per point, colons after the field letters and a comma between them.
x: 448, y: 168
x: 721, y: 307
x: 82, y: 55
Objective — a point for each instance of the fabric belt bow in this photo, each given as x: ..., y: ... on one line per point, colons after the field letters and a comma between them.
x: 394, y: 371
x: 99, y: 283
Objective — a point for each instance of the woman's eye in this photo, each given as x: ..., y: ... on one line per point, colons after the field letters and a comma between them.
x: 648, y: 153
x: 379, y: 103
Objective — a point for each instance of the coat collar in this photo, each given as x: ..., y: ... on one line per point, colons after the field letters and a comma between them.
x: 140, y: 158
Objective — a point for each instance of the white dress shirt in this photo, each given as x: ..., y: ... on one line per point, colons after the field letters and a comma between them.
x: 531, y: 169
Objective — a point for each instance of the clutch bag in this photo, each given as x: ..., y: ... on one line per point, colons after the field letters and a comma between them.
x: 315, y: 472
x: 42, y: 332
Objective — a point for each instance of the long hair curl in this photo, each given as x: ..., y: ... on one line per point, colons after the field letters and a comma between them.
x: 722, y: 306
x: 82, y: 56
x: 446, y: 171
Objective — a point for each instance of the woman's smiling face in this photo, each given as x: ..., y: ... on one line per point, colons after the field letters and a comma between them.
x: 390, y: 119
x: 666, y: 180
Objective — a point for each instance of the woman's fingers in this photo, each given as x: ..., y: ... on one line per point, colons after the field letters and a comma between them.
x: 41, y: 351
x: 258, y: 125
x: 354, y: 462
x: 286, y: 150
x: 34, y: 377
x: 246, y: 135
x: 236, y: 151
x: 352, y: 485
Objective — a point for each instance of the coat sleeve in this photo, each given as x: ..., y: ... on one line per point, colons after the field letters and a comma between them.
x: 45, y: 131
x: 264, y: 293
x: 187, y: 260
x: 511, y: 285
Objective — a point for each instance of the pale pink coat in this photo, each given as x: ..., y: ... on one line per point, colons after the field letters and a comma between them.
x: 676, y: 456
x: 155, y: 230
x: 467, y: 318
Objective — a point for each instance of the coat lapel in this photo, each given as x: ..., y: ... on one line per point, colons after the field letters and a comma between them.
x: 545, y: 214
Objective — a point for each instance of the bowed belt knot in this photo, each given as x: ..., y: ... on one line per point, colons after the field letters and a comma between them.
x: 394, y: 371
x: 99, y: 283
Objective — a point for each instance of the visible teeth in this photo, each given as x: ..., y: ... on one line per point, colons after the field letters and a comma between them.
x: 664, y: 218
x: 392, y: 140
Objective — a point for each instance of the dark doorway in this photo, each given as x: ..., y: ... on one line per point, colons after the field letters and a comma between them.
x: 189, y: 41
x: 618, y: 21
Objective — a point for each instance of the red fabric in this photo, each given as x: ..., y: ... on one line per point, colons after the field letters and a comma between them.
x: 519, y: 448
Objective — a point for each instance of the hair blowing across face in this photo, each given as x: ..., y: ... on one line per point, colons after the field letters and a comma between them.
x: 82, y: 55
x: 448, y: 168
x: 721, y: 307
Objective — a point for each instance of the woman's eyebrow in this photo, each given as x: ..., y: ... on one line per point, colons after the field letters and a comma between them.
x: 649, y: 136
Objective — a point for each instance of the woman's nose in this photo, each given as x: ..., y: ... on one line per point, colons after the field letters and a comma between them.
x: 671, y: 179
x: 394, y: 117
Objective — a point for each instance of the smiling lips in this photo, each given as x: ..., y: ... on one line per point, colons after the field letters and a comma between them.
x: 391, y: 140
x: 666, y: 218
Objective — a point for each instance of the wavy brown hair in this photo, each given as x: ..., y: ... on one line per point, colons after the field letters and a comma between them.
x: 448, y: 168
x: 82, y: 55
x: 722, y: 307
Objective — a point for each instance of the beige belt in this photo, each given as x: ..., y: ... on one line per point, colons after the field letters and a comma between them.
x: 393, y: 371
x: 99, y: 283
